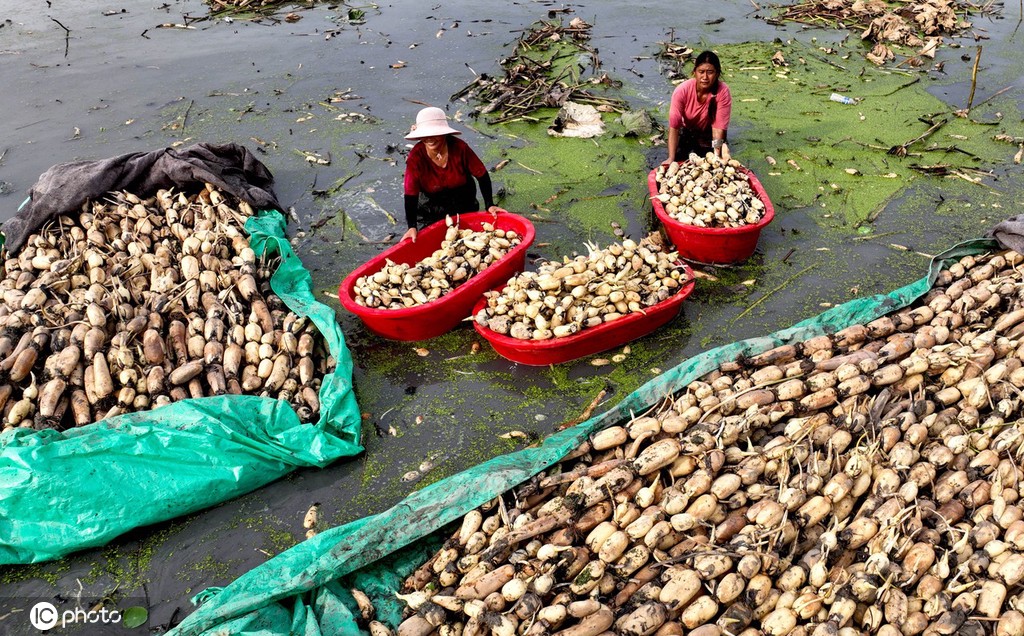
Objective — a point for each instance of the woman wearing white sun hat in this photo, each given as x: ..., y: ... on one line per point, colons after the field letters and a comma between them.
x: 440, y: 172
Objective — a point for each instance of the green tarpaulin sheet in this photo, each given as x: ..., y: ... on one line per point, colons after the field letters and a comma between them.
x: 64, y: 491
x: 303, y: 591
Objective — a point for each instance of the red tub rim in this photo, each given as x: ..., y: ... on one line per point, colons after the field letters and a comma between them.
x: 376, y: 263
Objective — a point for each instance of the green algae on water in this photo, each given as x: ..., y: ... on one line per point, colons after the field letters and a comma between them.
x: 845, y: 161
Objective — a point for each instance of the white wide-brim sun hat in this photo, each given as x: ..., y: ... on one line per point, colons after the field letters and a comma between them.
x: 431, y: 122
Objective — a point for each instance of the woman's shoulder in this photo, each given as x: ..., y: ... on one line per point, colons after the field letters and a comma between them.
x: 457, y: 142
x: 460, y: 148
x: 416, y: 161
x: 418, y: 151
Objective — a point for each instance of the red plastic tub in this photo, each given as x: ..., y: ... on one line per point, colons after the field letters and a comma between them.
x: 587, y: 341
x: 713, y: 245
x: 439, y: 316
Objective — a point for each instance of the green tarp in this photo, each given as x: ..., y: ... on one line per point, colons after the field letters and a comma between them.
x: 64, y: 491
x: 303, y: 591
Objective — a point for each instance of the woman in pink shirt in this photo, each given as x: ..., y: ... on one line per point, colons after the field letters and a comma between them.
x: 441, y: 174
x: 698, y: 117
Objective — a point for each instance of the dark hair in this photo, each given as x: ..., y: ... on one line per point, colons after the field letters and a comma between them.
x: 708, y: 57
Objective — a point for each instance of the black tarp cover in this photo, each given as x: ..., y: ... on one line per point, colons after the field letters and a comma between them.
x: 65, y: 187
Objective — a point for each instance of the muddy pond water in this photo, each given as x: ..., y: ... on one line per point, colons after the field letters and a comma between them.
x: 84, y: 80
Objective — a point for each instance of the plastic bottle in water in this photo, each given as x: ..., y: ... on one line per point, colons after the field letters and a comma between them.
x: 842, y: 99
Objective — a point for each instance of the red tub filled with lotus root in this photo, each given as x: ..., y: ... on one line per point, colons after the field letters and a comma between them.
x: 590, y: 340
x: 433, y: 318
x: 714, y: 244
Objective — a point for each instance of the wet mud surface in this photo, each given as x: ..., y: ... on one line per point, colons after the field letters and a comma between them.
x: 88, y: 85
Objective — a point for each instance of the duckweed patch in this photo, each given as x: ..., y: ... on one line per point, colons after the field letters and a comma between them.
x: 373, y: 467
x: 50, y: 573
x: 120, y: 568
x: 573, y: 190
x: 732, y: 283
x: 381, y: 482
x: 390, y: 364
x: 234, y: 113
x: 123, y: 566
x: 276, y: 538
x: 845, y: 160
x: 212, y: 569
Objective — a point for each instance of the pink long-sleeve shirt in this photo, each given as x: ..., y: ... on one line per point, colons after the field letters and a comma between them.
x: 685, y: 112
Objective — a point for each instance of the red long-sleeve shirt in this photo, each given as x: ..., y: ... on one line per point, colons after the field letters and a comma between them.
x: 422, y: 175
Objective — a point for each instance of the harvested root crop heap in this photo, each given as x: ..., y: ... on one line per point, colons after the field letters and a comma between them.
x: 866, y: 481
x: 133, y: 304
x: 559, y: 299
x: 463, y: 254
x: 708, y: 192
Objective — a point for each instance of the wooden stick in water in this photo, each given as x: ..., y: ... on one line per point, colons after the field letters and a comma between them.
x: 974, y: 78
